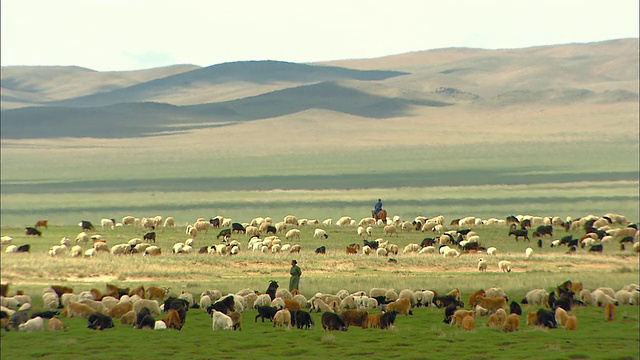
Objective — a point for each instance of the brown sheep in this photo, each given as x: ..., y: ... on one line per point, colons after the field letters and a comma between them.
x: 492, y: 303
x: 456, y: 293
x: 468, y: 323
x: 236, y: 319
x: 139, y: 290
x: 353, y: 249
x: 401, y: 306
x: 609, y: 312
x: 512, y: 323
x: 561, y: 316
x: 572, y: 323
x: 77, y: 309
x: 172, y: 320
x: 56, y: 324
x: 156, y: 292
x: 42, y: 223
x: 532, y: 319
x: 472, y: 298
x: 497, y: 319
x: 356, y: 318
x: 373, y: 320
x: 118, y: 310
x: 291, y: 304
x: 459, y: 315
x: 129, y: 318
x: 295, y: 249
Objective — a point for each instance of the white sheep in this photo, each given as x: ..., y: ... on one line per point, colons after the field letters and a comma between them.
x: 623, y: 297
x: 492, y: 251
x: 451, y: 253
x: 344, y: 221
x: 482, y: 265
x: 411, y: 248
x: 366, y: 250
x: 35, y: 324
x: 221, y: 321
x: 6, y: 240
x: 381, y: 252
x: 82, y: 237
x: 111, y: 223
x: 120, y: 249
x: 320, y: 233
x: 152, y: 251
x: 292, y: 234
x: 536, y: 297
x: 90, y: 252
x: 528, y: 252
x: 76, y: 251
x: 505, y: 265
x: 169, y: 222
x: 427, y: 250
x: 159, y: 325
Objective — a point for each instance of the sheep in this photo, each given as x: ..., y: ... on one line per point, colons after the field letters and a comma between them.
x: 535, y: 297
x: 505, y: 266
x: 609, y: 312
x: 381, y: 252
x: 344, y: 221
x: 55, y: 324
x: 152, y: 305
x: 623, y: 297
x: 511, y: 323
x: 492, y: 303
x: 468, y: 323
x: 411, y: 248
x: 451, y: 253
x: 528, y: 252
x: 497, y: 319
x: 390, y: 230
x: 120, y: 249
x: 152, y: 251
x: 401, y: 306
x: 492, y: 251
x: 82, y: 237
x: 77, y: 309
x: 35, y: 324
x: 473, y: 297
x: 320, y: 233
x: 482, y: 265
x: 221, y: 321
x: 602, y: 298
x: 459, y: 315
x: 282, y: 318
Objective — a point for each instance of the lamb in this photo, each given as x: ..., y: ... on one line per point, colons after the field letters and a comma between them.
x: 221, y: 321
x: 505, y: 266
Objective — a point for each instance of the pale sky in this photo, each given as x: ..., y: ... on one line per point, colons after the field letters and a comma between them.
x: 108, y: 35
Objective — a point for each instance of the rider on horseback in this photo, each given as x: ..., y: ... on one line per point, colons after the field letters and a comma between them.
x: 377, y: 208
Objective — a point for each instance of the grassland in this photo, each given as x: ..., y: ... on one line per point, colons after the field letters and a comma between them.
x: 414, y: 335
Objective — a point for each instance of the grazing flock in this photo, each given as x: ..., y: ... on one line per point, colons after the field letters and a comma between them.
x: 267, y: 236
x: 156, y: 308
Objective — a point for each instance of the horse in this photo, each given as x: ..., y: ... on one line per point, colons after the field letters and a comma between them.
x: 381, y: 215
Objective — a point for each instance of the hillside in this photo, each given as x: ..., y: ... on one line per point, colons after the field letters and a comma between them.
x: 42, y: 102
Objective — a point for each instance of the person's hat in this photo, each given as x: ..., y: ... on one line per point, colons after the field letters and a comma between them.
x: 294, y: 261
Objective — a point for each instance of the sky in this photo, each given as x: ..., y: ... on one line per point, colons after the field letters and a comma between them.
x: 118, y: 35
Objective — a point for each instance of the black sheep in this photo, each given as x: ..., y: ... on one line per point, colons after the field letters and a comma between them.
x: 303, y: 319
x: 547, y: 318
x: 267, y: 312
x: 31, y: 231
x: 141, y: 315
x: 387, y: 319
x: 147, y: 322
x: 332, y: 321
x: 98, y: 321
x: 321, y: 250
x: 271, y: 289
x: 45, y: 314
x: 515, y: 308
x: 151, y: 236
x: 225, y: 305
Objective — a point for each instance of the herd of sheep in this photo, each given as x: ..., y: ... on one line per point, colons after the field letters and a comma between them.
x: 267, y: 236
x: 155, y: 307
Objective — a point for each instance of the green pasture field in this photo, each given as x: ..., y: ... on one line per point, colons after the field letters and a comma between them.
x: 492, y: 180
x: 420, y: 336
x: 413, y: 338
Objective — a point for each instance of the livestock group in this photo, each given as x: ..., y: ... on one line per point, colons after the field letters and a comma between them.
x: 156, y: 308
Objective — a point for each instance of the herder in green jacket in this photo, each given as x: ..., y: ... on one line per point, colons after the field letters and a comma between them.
x: 295, y: 272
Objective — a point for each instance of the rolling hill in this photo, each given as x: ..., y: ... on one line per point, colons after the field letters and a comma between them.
x: 53, y: 102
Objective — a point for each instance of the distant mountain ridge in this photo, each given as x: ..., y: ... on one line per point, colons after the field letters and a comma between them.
x: 79, y: 102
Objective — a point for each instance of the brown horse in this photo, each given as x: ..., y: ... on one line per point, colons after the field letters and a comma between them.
x: 381, y: 215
